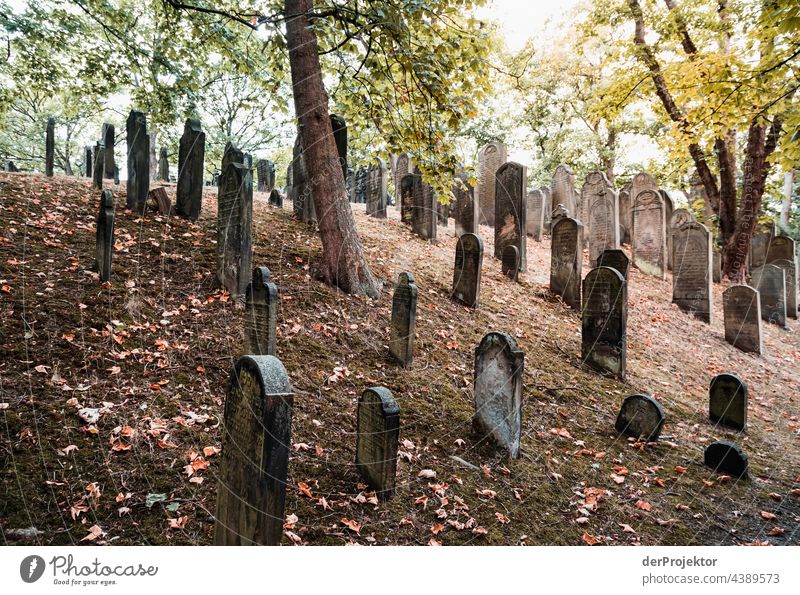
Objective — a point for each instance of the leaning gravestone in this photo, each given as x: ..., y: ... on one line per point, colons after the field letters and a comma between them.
x: 691, y: 280
x: 49, y: 147
x: 534, y: 215
x: 466, y: 207
x: 377, y: 439
x: 498, y: 391
x: 109, y: 139
x: 163, y: 165
x: 490, y: 158
x: 234, y: 223
x: 649, y: 233
x: 770, y: 280
x: 727, y: 401
x: 640, y: 417
x: 376, y: 189
x: 602, y: 215
x: 116, y: 175
x: 408, y: 187
x: 87, y: 160
x: 191, y: 161
x: 260, y: 314
x: 160, y: 201
x: 563, y: 189
x: 509, y: 209
x: 741, y: 306
x: 404, y: 316
x: 105, y: 236
x: 726, y: 457
x: 402, y: 167
x: 565, y: 260
x: 467, y: 271
x: 616, y: 259
x: 97, y: 173
x: 257, y: 433
x: 424, y: 212
x: 604, y: 320
x: 138, y: 161
x: 790, y: 274
x: 510, y: 262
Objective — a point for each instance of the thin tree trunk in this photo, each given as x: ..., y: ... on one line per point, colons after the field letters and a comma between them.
x: 343, y: 259
x: 609, y: 161
x: 786, y: 204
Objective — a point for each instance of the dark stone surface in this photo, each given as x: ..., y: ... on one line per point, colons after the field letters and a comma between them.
x: 234, y: 223
x: 727, y: 401
x: 163, y: 165
x: 138, y: 161
x: 640, y: 416
x: 741, y: 307
x: 408, y: 187
x: 511, y: 194
x: 404, y: 317
x: 467, y: 270
x: 104, y: 238
x: 604, y: 320
x: 87, y: 161
x: 424, y: 214
x: 109, y: 140
x: 377, y: 439
x: 693, y: 270
x: 377, y: 183
x: 465, y: 210
x: 770, y: 280
x: 49, y: 147
x: 160, y: 201
x: 510, y: 262
x: 565, y: 260
x: 260, y: 314
x: 191, y: 161
x: 97, y: 167
x: 726, y: 457
x: 339, y: 127
x: 276, y: 198
x: 616, y: 259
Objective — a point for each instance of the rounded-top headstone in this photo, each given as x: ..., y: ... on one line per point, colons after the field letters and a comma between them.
x: 378, y: 432
x: 726, y: 457
x: 640, y: 416
x: 510, y: 262
x: 727, y: 401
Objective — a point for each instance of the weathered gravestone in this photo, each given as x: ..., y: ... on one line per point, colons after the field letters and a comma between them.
x: 109, y: 139
x: 104, y: 238
x: 790, y: 275
x: 467, y: 271
x: 256, y: 437
x: 160, y: 201
x: 362, y: 173
x: 49, y: 147
x: 163, y: 165
x: 300, y: 191
x: 404, y: 317
x: 116, y: 175
x: 424, y: 211
x: 563, y: 190
x: 276, y: 198
x: 770, y: 280
x: 97, y: 173
x: 625, y: 213
x: 376, y: 188
x: 443, y: 213
x: 741, y: 306
x: 234, y: 223
x: 781, y: 248
x: 679, y: 218
x: 640, y: 417
x: 407, y: 190
x: 377, y: 439
x: 649, y: 233
x: 669, y: 209
x: 402, y: 167
x: 616, y: 259
x: 547, y: 207
x: 691, y: 279
x: 191, y: 160
x: 10, y: 167
x: 466, y: 207
x: 565, y: 260
x: 727, y: 401
x: 87, y: 160
x: 509, y: 208
x: 266, y: 175
x: 726, y: 457
x: 498, y: 391
x: 260, y: 314
x: 138, y: 161
x: 602, y: 215
x: 559, y: 212
x: 534, y: 215
x: 510, y: 262
x: 490, y: 158
x: 604, y: 320
x: 759, y: 245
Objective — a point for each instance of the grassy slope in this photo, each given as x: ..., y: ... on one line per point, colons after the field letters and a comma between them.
x: 153, y: 351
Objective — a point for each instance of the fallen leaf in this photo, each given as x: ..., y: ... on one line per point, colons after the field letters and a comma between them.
x: 589, y: 539
x: 427, y: 474
x: 768, y: 515
x: 641, y: 504
x: 352, y: 525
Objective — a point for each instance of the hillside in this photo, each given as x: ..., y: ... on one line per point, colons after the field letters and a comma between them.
x: 151, y: 352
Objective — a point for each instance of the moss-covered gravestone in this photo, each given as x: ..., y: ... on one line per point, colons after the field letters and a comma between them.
x: 105, y: 235
x: 467, y: 270
x: 604, y: 320
x: 640, y: 417
x: 377, y: 437
x: 261, y: 314
x: 404, y: 316
x: 726, y: 457
x: 727, y: 401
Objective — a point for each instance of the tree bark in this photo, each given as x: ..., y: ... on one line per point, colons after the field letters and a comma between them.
x: 343, y: 259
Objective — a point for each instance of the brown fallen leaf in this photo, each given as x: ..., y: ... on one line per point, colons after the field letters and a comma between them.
x: 437, y: 528
x: 94, y: 532
x: 641, y: 504
x: 590, y: 539
x: 768, y: 515
x: 352, y: 525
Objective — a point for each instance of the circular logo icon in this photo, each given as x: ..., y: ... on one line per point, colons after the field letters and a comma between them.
x: 31, y: 568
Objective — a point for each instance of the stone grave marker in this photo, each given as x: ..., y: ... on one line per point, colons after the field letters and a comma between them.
x: 717, y: 264
x: 781, y: 248
x: 266, y: 175
x: 191, y: 161
x: 547, y: 207
x: 509, y: 220
x: 467, y: 270
x: 376, y: 189
x: 563, y: 190
x: 377, y: 439
x: 691, y: 279
x: 490, y: 158
x: 559, y: 212
x: 256, y: 438
x: 104, y: 238
x: 109, y: 140
x: 602, y: 215
x: 234, y: 223
x: 726, y: 457
x: 616, y: 259
x: 465, y: 210
x: 604, y: 320
x: 260, y: 314
x: 770, y: 280
x: 97, y: 173
x: 163, y: 165
x: 442, y: 213
x: 49, y: 147
x: 404, y: 317
x: 276, y: 198
x: 565, y: 260
x: 160, y: 201
x: 759, y: 245
x: 727, y: 401
x: 640, y: 417
x: 510, y: 262
x: 649, y: 234
x: 402, y: 167
x: 424, y: 212
x: 138, y: 161
x: 625, y: 213
x: 741, y: 307
x: 407, y: 190
x: 534, y: 214
x: 679, y: 217
x: 790, y: 274
x: 87, y: 160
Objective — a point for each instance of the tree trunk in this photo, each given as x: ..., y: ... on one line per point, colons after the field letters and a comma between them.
x: 609, y: 159
x: 786, y: 204
x: 343, y: 262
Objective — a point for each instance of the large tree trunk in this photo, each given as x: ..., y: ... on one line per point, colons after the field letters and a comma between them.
x: 343, y: 262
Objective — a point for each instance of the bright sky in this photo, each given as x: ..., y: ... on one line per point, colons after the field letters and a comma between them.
x: 521, y: 19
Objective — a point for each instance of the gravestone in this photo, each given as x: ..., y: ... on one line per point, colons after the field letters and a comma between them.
x: 679, y: 217
x: 408, y: 187
x: 402, y: 167
x: 404, y: 316
x: 266, y: 175
x: 490, y: 158
x: 604, y: 320
x: 716, y: 257
x: 626, y: 213
x: 466, y: 207
x: 116, y: 175
x: 741, y: 306
x: 361, y: 184
x: 377, y: 440
x: 300, y: 191
x: 138, y: 161
x: 97, y: 173
x: 376, y: 188
x: 691, y: 277
x: 534, y: 214
x: 191, y: 161
x: 10, y: 167
x: 649, y: 233
x: 87, y: 161
x: 109, y: 139
x: 509, y: 201
x: 163, y: 165
x: 442, y: 213
x: 563, y: 190
x: 790, y: 275
x: 510, y: 262
x: 726, y: 457
x: 276, y: 198
x: 640, y: 417
x: 565, y: 260
x: 616, y: 259
x: 727, y: 401
x: 424, y: 211
x: 781, y: 248
x: 669, y: 208
x: 104, y: 238
x: 602, y: 215
x: 770, y: 281
x: 759, y: 245
x: 559, y: 212
x: 547, y: 207
x: 160, y: 201
x: 467, y: 270
x: 256, y: 437
x: 260, y: 314
x: 339, y: 128
x: 49, y: 147
x: 498, y: 391
x: 234, y: 223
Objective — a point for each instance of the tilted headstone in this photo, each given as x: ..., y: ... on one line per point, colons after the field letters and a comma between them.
x: 490, y: 158
x: 759, y: 245
x: 640, y: 417
x: 602, y: 215
x: 377, y: 440
x: 163, y: 165
x: 510, y: 262
x: 741, y: 306
x: 377, y: 180
x: 649, y: 233
x: 191, y: 161
x: 465, y: 210
x: 616, y: 259
x: 679, y: 217
x: 509, y: 202
x: 97, y: 173
x: 790, y: 275
x: 726, y: 457
x: 424, y: 212
x: 402, y: 167
x: 276, y: 198
x: 408, y: 187
x: 467, y: 271
x: 626, y: 213
x: 109, y: 140
x: 104, y: 238
x: 159, y: 201
x: 548, y: 207
x: 138, y: 161
x: 727, y: 401
x: 404, y: 317
x: 604, y: 320
x: 87, y: 161
x: 260, y: 314
x: 49, y: 147
x: 566, y: 255
x: 770, y: 281
x: 693, y: 269
x: 563, y: 190
x: 256, y: 438
x: 339, y: 128
x: 234, y: 223
x: 498, y: 391
x: 534, y: 215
